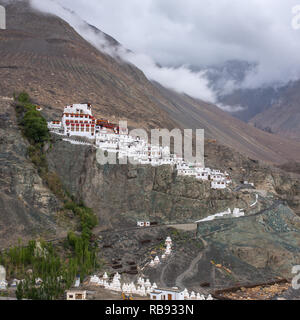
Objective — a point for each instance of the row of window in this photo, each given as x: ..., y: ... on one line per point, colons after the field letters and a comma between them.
x: 73, y: 115
x: 77, y: 129
x: 77, y: 121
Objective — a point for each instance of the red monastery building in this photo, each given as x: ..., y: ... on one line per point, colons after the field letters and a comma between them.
x: 77, y: 120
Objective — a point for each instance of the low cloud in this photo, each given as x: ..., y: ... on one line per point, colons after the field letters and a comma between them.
x: 180, y: 79
x: 231, y: 108
x: 177, y: 34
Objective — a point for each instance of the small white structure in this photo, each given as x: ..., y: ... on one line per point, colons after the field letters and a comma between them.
x: 116, y: 284
x: 148, y: 283
x: 193, y: 296
x: 38, y: 281
x: 186, y: 294
x: 2, y: 18
x: 55, y: 126
x: 168, y: 241
x: 105, y: 276
x: 77, y: 282
x: 2, y: 273
x: 238, y: 213
x: 167, y: 294
x: 95, y: 280
x: 76, y: 295
x: 156, y: 260
x: 168, y: 251
x: 152, y: 263
x: 143, y: 224
x: 218, y: 185
x: 3, y: 284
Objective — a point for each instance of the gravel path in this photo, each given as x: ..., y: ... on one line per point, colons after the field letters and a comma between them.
x: 191, y: 269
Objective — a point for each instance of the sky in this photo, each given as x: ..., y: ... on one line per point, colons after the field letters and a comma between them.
x: 180, y: 35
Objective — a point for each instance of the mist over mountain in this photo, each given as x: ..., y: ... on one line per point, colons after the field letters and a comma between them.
x: 245, y: 82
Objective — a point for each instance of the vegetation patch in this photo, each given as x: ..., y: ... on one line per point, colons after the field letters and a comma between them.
x: 57, y: 267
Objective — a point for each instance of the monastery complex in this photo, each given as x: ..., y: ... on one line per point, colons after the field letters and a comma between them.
x: 78, y: 122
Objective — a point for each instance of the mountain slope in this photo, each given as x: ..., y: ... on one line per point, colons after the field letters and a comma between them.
x: 274, y: 109
x: 45, y: 56
x: 229, y: 131
x: 283, y: 117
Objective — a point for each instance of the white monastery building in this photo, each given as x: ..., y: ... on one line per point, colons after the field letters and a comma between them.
x: 78, y: 122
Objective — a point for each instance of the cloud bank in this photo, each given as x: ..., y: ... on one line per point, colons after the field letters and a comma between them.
x: 180, y: 78
x: 178, y: 34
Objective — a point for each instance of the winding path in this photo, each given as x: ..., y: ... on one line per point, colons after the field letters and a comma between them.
x: 191, y: 269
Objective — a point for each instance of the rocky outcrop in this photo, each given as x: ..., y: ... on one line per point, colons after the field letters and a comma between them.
x: 27, y: 207
x: 124, y: 194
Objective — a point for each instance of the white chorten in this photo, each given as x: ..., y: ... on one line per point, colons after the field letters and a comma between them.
x: 168, y: 241
x: 105, y: 276
x: 148, y: 283
x: 152, y: 264
x: 186, y: 294
x: 168, y: 251
x: 2, y: 273
x: 156, y: 260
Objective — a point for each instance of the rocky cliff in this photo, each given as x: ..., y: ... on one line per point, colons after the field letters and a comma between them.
x: 127, y: 193
x: 123, y: 194
x: 27, y: 207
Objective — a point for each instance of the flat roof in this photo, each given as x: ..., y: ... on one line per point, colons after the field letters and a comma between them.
x: 168, y: 289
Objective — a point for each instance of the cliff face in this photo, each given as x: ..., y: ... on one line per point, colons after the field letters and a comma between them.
x: 127, y: 193
x: 27, y: 207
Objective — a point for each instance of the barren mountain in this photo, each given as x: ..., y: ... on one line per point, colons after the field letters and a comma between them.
x: 283, y: 117
x: 45, y: 56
